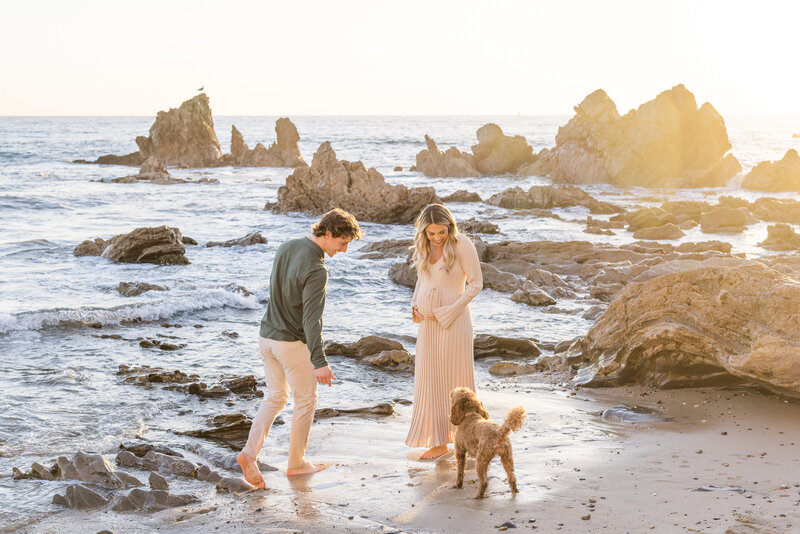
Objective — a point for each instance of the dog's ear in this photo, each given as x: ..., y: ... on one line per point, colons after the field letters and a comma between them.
x: 482, y: 411
x: 458, y: 411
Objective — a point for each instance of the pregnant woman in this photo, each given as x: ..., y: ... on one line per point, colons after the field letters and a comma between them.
x: 448, y: 277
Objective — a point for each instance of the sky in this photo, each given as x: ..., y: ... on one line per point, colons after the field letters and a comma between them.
x: 374, y: 57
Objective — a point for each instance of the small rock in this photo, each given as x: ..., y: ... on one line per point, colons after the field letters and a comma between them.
x: 157, y: 482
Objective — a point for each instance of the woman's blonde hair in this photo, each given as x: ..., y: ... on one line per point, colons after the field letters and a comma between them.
x: 434, y: 214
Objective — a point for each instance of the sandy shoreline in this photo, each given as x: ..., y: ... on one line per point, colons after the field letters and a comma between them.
x: 627, y: 477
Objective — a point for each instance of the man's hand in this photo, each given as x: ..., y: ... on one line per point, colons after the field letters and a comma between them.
x: 416, y: 315
x: 324, y: 375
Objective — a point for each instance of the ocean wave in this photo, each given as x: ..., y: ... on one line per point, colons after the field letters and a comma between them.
x: 150, y: 311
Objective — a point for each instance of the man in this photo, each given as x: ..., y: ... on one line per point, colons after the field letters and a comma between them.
x: 290, y: 339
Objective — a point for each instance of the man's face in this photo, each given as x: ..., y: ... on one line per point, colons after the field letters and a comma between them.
x: 335, y: 244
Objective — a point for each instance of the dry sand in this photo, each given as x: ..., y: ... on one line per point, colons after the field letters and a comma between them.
x: 577, y: 473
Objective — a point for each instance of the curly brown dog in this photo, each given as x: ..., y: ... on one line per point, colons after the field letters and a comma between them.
x: 482, y: 438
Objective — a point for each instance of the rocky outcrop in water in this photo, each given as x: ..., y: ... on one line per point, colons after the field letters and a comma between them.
x: 548, y: 196
x: 133, y: 289
x: 666, y: 142
x: 331, y: 183
x: 462, y: 195
x: 176, y: 380
x: 183, y: 136
x: 253, y: 238
x: 711, y: 325
x: 781, y: 175
x: 284, y: 152
x: 161, y: 245
x: 781, y: 237
x: 495, y: 153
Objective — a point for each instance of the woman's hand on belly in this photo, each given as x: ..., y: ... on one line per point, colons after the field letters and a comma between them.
x: 416, y: 315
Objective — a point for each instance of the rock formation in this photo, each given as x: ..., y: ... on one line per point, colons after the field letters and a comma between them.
x: 183, y: 136
x: 330, y: 183
x: 666, y: 142
x: 495, y: 153
x: 161, y: 245
x: 549, y: 196
x: 781, y: 237
x: 284, y: 152
x: 781, y: 175
x: 253, y: 238
x: 698, y: 327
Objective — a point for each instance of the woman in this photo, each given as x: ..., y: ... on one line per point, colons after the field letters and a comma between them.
x: 445, y: 263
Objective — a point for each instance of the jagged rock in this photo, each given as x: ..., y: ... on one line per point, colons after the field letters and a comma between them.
x: 781, y: 237
x: 781, y: 175
x: 474, y: 226
x: 284, y: 152
x: 41, y: 472
x: 398, y: 168
x: 665, y: 231
x: 532, y: 296
x: 723, y: 220
x: 133, y: 159
x: 646, y: 218
x: 666, y: 142
x: 700, y: 327
x: 154, y: 375
x: 186, y: 240
x: 156, y: 461
x: 235, y: 288
x: 550, y: 283
x: 253, y: 238
x: 184, y: 136
x: 366, y: 346
x: 157, y: 482
x: 161, y: 245
x: 206, y: 474
x: 462, y: 195
x: 486, y: 345
x: 133, y: 289
x: 330, y: 183
x: 452, y: 163
x: 549, y: 196
x: 379, y: 410
x: 140, y: 449
x: 79, y: 496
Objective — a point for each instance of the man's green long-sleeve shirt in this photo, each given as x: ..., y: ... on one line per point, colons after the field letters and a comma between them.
x: 297, y: 297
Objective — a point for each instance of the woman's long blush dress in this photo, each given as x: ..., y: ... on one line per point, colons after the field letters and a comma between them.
x: 444, y: 358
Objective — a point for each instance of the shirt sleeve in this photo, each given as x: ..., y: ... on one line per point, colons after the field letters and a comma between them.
x: 471, y: 265
x: 416, y: 290
x: 313, y: 306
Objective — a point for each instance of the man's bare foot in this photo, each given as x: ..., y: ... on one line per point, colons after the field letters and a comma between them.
x: 250, y: 470
x: 307, y: 469
x: 434, y: 452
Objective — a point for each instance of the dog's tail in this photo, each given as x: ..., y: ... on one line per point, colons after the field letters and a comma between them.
x: 513, y: 420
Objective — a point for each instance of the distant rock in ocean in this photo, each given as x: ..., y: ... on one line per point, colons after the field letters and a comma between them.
x: 284, y: 152
x: 331, y: 183
x: 495, y: 153
x: 185, y: 137
x: 666, y: 142
x: 781, y: 175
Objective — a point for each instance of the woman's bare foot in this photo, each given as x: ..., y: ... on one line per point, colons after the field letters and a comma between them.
x: 306, y: 469
x: 434, y: 452
x: 250, y: 470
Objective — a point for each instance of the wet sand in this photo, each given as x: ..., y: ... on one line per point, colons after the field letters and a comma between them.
x: 577, y: 473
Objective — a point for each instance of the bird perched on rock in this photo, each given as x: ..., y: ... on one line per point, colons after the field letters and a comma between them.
x: 202, y: 87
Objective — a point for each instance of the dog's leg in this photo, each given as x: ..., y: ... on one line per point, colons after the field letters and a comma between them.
x: 461, y: 457
x: 507, y: 458
x: 482, y: 461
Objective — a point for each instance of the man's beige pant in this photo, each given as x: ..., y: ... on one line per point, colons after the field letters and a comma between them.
x: 287, y: 365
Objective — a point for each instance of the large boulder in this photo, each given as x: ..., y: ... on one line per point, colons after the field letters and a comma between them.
x: 708, y: 326
x: 183, y: 136
x: 284, y: 152
x: 161, y: 245
x: 781, y: 175
x: 550, y: 196
x: 781, y: 236
x: 330, y: 183
x: 666, y: 142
